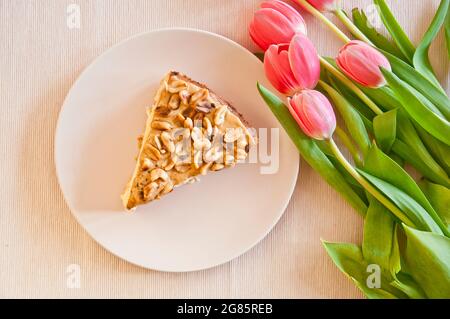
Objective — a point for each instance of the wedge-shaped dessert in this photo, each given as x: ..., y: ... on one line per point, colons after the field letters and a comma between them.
x: 189, y: 131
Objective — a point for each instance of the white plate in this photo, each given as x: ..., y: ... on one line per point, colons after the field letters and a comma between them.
x: 197, y: 226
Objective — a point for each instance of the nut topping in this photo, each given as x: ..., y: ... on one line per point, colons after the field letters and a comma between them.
x: 241, y: 154
x: 197, y: 159
x: 161, y: 125
x: 242, y: 141
x: 219, y: 116
x: 200, y: 95
x: 168, y: 187
x: 180, y: 117
x: 168, y: 142
x: 232, y: 135
x: 158, y: 173
x: 150, y: 191
x: 147, y: 164
x: 208, y: 126
x: 177, y: 86
x: 213, y: 154
x: 183, y: 168
x: 153, y: 152
x: 188, y: 123
x: 217, y: 167
x: 157, y: 142
x: 204, y: 169
x: 196, y: 134
x: 174, y: 102
x: 204, y: 106
x: 169, y: 165
x: 184, y: 96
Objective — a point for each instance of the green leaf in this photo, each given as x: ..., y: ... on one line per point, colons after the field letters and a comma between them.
x: 434, y: 93
x: 418, y: 154
x: 384, y: 97
x: 401, y: 280
x: 379, y: 240
x: 380, y: 246
x: 409, y: 286
x: 401, y: 39
x: 357, y: 188
x: 310, y: 151
x: 352, y: 119
x: 439, y: 150
x: 416, y: 106
x: 381, y: 166
x: 400, y: 161
x: 325, y: 148
x: 421, y: 59
x: 395, y: 258
x: 349, y: 259
x: 413, y: 211
x: 428, y: 259
x: 380, y: 41
x: 433, y: 173
x: 439, y: 197
x: 366, y: 114
x: 415, y: 152
x: 385, y: 129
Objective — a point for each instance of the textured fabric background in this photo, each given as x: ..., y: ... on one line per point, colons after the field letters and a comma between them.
x: 39, y: 60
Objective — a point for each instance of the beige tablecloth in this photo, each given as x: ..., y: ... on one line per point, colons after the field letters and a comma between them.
x: 40, y: 57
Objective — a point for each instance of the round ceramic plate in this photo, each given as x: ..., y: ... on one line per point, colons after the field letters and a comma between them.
x: 197, y: 226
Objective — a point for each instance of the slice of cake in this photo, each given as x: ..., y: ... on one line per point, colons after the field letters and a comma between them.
x: 189, y: 131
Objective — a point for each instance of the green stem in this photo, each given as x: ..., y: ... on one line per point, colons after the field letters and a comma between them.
x: 351, y: 86
x: 316, y: 13
x: 367, y: 186
x: 351, y: 26
x: 345, y: 139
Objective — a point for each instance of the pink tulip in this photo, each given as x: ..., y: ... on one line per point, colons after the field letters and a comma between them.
x: 276, y: 22
x: 292, y: 67
x: 323, y: 5
x: 304, y: 61
x: 361, y: 62
x: 314, y: 114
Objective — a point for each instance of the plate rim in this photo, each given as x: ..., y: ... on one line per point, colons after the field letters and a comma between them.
x: 55, y: 151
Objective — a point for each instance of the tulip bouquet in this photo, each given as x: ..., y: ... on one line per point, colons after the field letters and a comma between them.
x: 394, y: 119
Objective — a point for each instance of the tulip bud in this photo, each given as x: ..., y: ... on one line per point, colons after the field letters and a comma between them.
x: 304, y: 61
x: 276, y: 22
x: 323, y: 5
x: 314, y: 114
x: 361, y: 62
x: 292, y: 67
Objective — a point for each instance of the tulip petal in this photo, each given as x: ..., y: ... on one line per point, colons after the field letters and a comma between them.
x: 270, y: 27
x: 323, y: 5
x: 361, y: 62
x: 289, y: 12
x: 314, y: 114
x: 278, y: 70
x: 304, y: 61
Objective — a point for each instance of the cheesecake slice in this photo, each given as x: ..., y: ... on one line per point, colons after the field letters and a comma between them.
x: 189, y: 132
